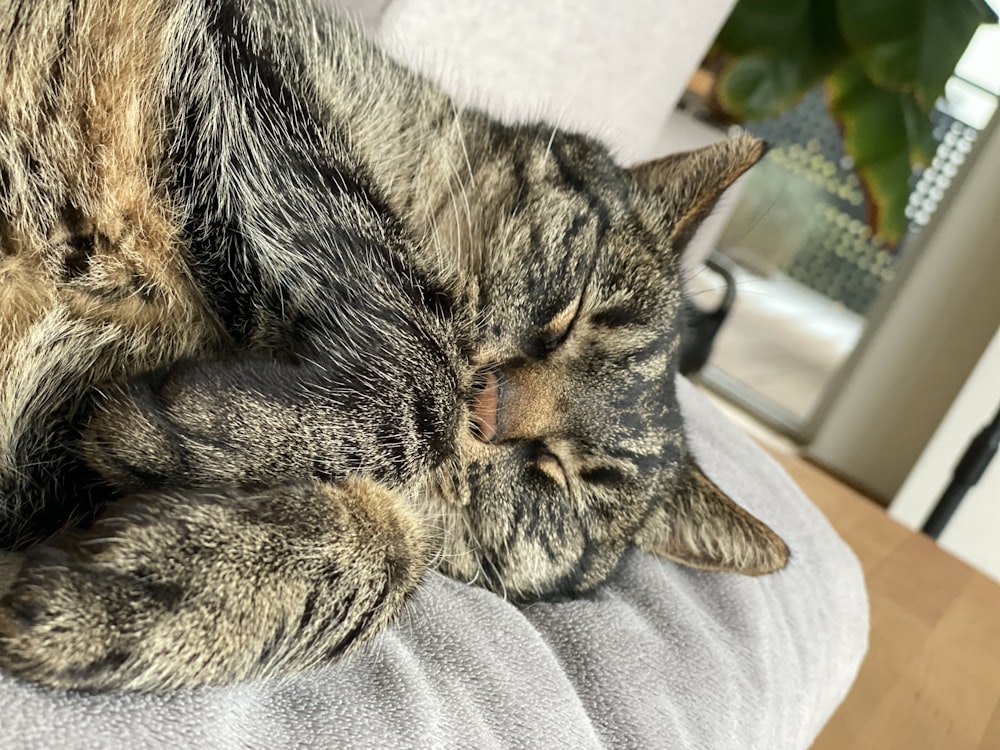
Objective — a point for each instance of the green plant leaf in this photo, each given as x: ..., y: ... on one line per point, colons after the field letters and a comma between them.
x: 885, y: 63
x: 758, y: 86
x: 764, y: 26
x: 919, y: 131
x: 883, y: 132
x: 783, y: 48
x: 910, y: 45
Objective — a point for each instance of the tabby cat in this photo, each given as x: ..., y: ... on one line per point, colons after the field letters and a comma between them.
x: 281, y: 327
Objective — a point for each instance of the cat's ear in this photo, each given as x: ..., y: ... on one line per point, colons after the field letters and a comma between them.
x: 690, y: 183
x: 701, y: 527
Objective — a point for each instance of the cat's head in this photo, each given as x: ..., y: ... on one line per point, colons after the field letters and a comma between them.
x: 576, y: 449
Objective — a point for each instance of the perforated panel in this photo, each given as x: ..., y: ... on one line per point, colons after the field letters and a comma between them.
x: 838, y: 257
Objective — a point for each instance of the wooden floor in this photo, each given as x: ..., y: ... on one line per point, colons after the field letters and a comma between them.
x: 931, y: 680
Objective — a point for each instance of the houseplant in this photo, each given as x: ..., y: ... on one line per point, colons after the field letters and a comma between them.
x: 883, y: 65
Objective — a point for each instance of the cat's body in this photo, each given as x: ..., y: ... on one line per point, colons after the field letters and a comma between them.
x: 314, y: 329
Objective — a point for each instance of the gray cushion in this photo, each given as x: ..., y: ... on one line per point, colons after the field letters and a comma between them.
x: 659, y: 657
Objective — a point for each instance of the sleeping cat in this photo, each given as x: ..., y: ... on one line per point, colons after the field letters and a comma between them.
x: 281, y: 327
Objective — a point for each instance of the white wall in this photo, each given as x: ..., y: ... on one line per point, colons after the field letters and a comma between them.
x: 615, y: 70
x: 974, y: 531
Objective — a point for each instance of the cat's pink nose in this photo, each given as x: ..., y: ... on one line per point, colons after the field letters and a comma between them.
x: 485, y: 403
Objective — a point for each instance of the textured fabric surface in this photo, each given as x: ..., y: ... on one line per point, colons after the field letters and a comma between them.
x: 660, y: 657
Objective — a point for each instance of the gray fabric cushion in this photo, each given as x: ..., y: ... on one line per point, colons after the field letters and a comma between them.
x: 660, y: 657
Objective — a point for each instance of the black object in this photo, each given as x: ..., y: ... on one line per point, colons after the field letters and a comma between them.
x: 702, y: 326
x: 977, y: 457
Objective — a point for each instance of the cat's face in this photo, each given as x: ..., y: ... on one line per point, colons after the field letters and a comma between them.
x: 576, y: 449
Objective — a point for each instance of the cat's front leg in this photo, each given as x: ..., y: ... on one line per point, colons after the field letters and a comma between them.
x: 179, y: 589
x: 251, y: 422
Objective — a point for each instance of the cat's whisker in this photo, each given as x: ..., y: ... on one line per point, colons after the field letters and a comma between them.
x: 457, y: 115
x: 744, y: 287
x: 552, y: 137
x: 468, y: 210
x: 434, y: 233
x: 763, y: 213
x: 503, y: 587
x: 98, y: 541
x: 691, y: 275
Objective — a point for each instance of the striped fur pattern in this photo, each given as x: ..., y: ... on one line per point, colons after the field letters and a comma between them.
x: 281, y: 327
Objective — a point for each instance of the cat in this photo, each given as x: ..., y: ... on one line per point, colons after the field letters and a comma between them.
x: 282, y: 327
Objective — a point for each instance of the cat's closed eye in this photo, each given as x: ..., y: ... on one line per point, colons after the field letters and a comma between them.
x: 547, y: 462
x: 554, y: 333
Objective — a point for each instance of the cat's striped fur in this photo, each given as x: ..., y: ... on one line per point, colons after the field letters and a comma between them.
x: 292, y: 327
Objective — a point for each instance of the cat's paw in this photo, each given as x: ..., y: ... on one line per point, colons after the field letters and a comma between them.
x: 67, y: 624
x: 119, y: 607
x: 177, y: 590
